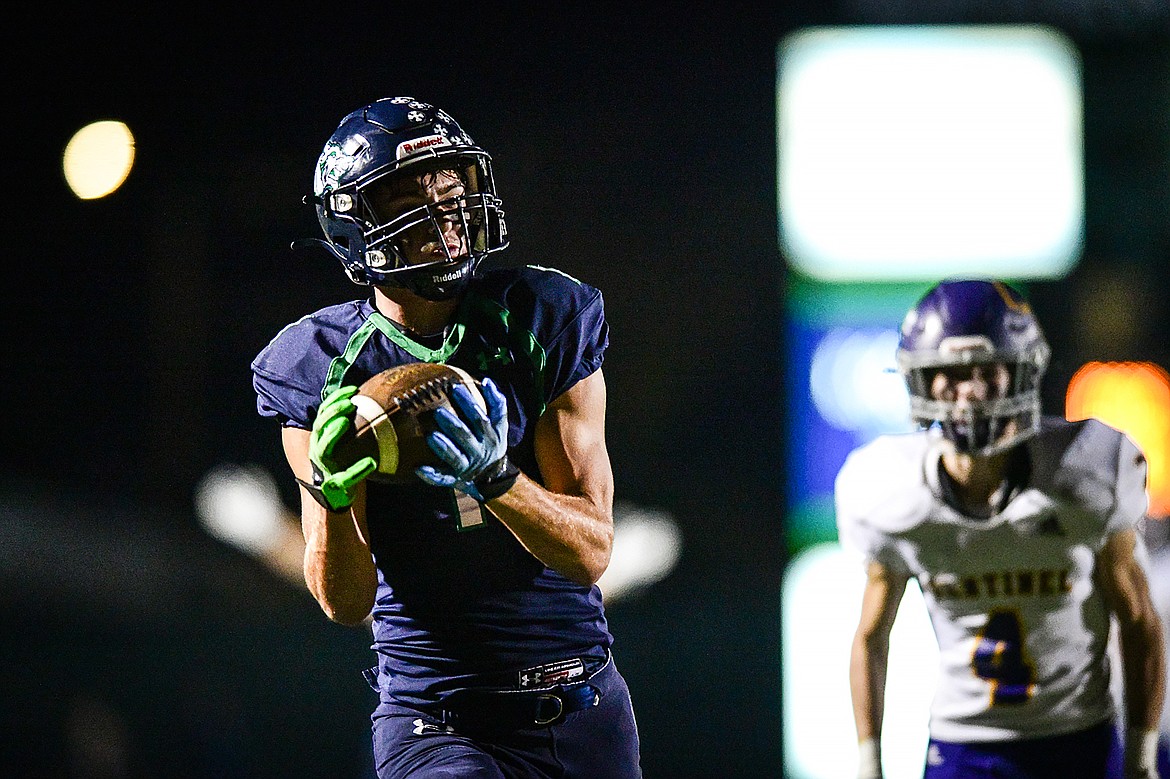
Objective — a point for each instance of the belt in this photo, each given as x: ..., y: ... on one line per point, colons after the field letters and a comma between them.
x: 497, y: 710
x: 537, y: 697
x: 541, y: 676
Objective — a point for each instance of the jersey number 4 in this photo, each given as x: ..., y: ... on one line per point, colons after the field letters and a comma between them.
x: 999, y: 658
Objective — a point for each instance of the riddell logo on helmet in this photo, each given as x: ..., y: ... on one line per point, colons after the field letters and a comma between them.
x: 407, y: 148
x: 452, y: 276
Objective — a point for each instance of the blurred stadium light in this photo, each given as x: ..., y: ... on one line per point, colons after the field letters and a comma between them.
x: 240, y: 506
x: 855, y: 383
x: 1133, y: 397
x: 844, y: 389
x: 646, y: 547
x: 821, y: 604
x: 915, y: 152
x: 98, y: 158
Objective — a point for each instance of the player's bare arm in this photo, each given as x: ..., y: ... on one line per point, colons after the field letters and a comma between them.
x: 568, y: 523
x: 870, y: 651
x: 339, y: 569
x: 1143, y: 654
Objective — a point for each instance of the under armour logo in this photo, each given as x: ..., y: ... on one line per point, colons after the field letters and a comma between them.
x: 934, y: 756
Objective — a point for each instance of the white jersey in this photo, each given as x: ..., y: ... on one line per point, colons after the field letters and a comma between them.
x: 1021, y: 626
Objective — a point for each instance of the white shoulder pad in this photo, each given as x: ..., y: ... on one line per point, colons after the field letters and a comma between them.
x: 1097, y: 467
x: 881, y: 490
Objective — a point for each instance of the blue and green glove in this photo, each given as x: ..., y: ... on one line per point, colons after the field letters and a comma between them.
x: 472, y: 445
x: 335, y: 484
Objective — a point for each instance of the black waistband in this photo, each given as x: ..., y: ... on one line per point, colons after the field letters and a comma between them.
x: 547, y: 675
x: 475, y: 710
x: 535, y: 697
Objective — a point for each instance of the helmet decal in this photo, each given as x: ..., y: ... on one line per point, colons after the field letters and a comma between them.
x: 335, y: 161
x: 1012, y: 301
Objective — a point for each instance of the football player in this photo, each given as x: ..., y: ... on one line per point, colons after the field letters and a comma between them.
x: 1021, y: 531
x: 492, y: 647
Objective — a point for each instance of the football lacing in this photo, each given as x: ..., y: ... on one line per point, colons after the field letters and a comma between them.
x: 425, y: 395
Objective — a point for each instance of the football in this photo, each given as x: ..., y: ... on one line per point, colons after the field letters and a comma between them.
x: 395, y: 411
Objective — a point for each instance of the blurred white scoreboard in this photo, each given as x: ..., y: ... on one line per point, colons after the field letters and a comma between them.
x: 917, y: 152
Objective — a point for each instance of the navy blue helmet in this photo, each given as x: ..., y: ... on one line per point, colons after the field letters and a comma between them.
x: 975, y: 322
x: 395, y: 137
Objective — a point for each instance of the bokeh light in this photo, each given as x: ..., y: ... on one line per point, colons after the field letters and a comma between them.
x: 98, y: 158
x: 855, y: 384
x: 1133, y: 397
x: 821, y: 606
x: 914, y: 152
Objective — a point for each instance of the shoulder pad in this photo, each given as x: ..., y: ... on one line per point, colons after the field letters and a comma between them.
x: 535, y: 285
x: 1093, y: 466
x: 883, y: 483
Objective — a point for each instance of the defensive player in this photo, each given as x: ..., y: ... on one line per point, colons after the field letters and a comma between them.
x: 1020, y: 530
x: 494, y: 656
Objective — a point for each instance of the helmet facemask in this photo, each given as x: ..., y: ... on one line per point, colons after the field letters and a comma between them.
x: 985, y: 427
x: 412, y: 248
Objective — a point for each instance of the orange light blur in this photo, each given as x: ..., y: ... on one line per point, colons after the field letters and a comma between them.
x: 1133, y: 397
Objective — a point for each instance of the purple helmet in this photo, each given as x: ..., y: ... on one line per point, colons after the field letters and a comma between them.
x: 385, y: 138
x: 971, y: 322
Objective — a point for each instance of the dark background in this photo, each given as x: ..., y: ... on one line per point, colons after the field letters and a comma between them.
x: 634, y: 149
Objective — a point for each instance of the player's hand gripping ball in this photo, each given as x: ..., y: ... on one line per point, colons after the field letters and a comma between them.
x: 395, y: 414
x: 425, y: 421
x: 336, y: 475
x: 472, y: 442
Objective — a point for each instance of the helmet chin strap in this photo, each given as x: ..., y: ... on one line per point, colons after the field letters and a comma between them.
x: 301, y: 244
x: 433, y: 284
x: 977, y: 436
x: 429, y: 286
x: 437, y: 292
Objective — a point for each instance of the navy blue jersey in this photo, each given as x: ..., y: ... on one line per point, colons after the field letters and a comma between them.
x: 459, y: 599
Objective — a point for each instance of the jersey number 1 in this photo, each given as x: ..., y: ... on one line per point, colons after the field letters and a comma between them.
x: 469, y: 511
x: 999, y: 658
